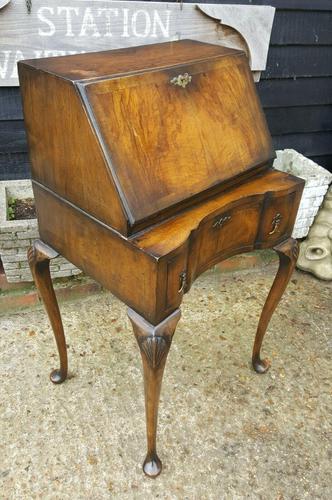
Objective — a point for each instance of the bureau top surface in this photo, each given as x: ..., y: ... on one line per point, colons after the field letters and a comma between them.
x: 121, y: 61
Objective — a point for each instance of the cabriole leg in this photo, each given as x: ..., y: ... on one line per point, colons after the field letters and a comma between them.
x: 288, y: 253
x: 154, y: 343
x: 39, y: 255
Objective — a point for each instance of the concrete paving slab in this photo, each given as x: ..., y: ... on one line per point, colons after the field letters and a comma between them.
x: 225, y: 432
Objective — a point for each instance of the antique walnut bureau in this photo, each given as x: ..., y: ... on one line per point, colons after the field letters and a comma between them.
x: 150, y: 165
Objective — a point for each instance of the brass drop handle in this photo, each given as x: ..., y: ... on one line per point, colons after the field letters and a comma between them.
x: 276, y: 223
x: 220, y: 221
x: 183, y: 281
x: 181, y: 80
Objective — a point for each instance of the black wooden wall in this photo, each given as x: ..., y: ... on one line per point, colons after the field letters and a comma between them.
x: 295, y: 89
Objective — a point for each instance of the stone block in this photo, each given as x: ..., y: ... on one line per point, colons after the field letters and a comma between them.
x: 27, y: 276
x: 65, y: 266
x: 27, y: 234
x: 14, y: 243
x: 12, y: 265
x: 60, y: 274
x: 16, y: 237
x: 75, y: 271
x: 55, y: 269
x: 14, y: 277
x: 6, y: 236
x: 317, y: 180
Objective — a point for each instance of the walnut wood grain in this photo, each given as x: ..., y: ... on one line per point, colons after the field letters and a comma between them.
x: 188, y: 240
x: 62, y: 147
x: 39, y: 256
x: 144, y: 185
x: 288, y: 252
x: 124, y: 61
x: 154, y: 343
x: 138, y: 129
x: 195, y: 133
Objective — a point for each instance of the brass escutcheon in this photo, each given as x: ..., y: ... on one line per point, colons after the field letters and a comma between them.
x: 275, y: 223
x: 181, y: 80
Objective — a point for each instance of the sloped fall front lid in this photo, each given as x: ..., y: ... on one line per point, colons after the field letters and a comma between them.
x: 173, y: 132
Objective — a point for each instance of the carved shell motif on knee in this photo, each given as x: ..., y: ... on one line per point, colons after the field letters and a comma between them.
x: 316, y: 251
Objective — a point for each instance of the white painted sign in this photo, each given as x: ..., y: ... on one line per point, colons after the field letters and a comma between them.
x: 53, y: 29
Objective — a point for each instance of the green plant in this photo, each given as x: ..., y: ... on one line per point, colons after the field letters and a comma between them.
x: 11, y: 208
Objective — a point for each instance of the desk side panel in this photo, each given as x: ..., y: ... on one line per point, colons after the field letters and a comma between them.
x: 130, y: 274
x: 64, y: 151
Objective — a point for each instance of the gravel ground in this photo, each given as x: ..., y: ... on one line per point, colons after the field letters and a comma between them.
x: 225, y: 432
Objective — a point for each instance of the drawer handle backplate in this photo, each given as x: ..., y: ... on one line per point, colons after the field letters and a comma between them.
x: 276, y: 223
x: 181, y: 80
x: 220, y: 221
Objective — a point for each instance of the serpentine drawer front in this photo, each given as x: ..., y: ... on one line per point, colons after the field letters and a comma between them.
x: 149, y: 165
x: 233, y: 229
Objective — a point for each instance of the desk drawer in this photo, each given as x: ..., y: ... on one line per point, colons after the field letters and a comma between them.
x: 226, y: 232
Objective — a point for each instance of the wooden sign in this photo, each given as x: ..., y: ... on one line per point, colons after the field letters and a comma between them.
x: 54, y: 28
